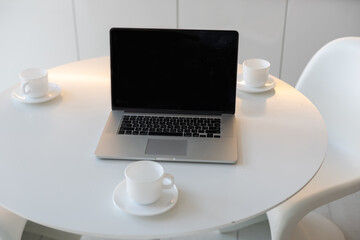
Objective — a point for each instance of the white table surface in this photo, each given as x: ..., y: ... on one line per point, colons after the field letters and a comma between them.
x: 50, y: 175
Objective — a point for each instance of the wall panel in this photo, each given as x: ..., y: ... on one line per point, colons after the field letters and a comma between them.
x: 310, y: 25
x: 94, y: 18
x: 260, y: 24
x: 34, y: 33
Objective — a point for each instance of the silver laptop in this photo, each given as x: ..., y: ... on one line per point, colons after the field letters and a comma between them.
x: 173, y: 94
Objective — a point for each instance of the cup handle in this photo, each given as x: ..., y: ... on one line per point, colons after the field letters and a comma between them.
x: 23, y: 88
x: 169, y: 177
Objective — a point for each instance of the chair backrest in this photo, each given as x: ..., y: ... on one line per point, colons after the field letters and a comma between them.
x: 331, y: 81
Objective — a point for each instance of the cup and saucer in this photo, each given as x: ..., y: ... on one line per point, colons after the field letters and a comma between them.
x: 146, y: 190
x: 34, y: 87
x: 122, y: 200
x: 269, y: 84
x: 255, y: 77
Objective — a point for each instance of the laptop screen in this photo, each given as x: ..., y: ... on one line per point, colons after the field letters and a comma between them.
x: 173, y: 70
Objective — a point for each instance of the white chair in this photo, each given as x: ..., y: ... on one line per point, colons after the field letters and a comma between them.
x: 331, y: 81
x: 11, y: 225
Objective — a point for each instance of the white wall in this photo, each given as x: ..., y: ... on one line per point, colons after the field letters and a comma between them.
x: 311, y: 24
x: 94, y: 18
x: 34, y: 33
x: 260, y: 24
x: 286, y: 32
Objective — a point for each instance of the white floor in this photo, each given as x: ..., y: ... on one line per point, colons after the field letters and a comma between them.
x: 344, y: 212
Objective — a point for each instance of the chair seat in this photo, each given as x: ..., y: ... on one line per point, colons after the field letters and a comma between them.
x: 337, y: 177
x: 339, y: 173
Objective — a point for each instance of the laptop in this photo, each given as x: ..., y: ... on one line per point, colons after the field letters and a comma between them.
x: 173, y: 94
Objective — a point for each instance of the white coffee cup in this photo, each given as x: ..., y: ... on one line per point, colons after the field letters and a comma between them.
x: 34, y: 82
x: 255, y: 72
x: 145, y: 181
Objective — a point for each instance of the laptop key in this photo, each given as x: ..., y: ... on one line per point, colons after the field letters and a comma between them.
x: 210, y: 131
x: 127, y: 128
x: 175, y: 134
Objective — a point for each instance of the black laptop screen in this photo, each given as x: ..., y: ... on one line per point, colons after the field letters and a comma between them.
x: 174, y: 71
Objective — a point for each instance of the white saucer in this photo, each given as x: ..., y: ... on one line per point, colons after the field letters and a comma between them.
x: 54, y: 91
x: 165, y: 203
x: 270, y: 84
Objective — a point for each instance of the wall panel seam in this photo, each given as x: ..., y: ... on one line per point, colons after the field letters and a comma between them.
x: 283, y: 38
x: 76, y: 31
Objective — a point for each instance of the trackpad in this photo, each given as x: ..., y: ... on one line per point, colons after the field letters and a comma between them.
x: 166, y: 147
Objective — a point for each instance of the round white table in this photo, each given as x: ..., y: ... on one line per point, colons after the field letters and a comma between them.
x: 50, y: 175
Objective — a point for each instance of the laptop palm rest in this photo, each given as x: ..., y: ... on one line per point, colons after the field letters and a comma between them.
x: 166, y: 147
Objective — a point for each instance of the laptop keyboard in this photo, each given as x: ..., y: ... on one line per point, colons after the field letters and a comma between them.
x: 170, y: 126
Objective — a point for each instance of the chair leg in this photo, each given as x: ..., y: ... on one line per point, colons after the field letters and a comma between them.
x: 311, y: 227
x: 11, y: 225
x: 282, y: 227
x: 316, y: 227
